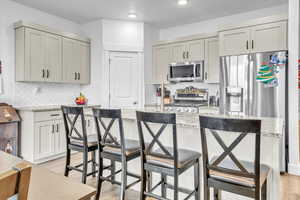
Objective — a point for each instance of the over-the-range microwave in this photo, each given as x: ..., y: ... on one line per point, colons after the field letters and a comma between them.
x: 186, y: 72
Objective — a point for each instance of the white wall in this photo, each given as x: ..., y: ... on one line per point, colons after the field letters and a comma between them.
x: 23, y: 93
x: 210, y: 26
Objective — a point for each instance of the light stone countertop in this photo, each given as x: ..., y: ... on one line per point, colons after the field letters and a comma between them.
x: 50, y: 107
x: 271, y: 127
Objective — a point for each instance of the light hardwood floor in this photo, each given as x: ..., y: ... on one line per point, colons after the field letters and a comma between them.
x: 290, y: 185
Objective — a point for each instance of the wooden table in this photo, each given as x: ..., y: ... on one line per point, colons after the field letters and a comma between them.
x: 47, y: 185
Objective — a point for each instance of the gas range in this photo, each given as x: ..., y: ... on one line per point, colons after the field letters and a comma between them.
x: 189, y: 99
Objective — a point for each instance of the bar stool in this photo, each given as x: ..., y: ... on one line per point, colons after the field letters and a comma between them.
x: 79, y: 141
x: 166, y: 161
x: 231, y: 174
x: 115, y: 148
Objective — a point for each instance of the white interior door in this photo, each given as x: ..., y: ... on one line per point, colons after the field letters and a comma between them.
x: 124, y: 80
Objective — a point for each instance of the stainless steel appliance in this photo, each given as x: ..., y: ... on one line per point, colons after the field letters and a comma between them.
x: 186, y: 72
x: 255, y: 85
x: 189, y: 99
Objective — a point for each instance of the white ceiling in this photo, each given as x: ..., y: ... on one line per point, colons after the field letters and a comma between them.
x: 162, y: 13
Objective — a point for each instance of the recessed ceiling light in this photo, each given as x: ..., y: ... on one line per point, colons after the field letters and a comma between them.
x: 131, y: 15
x: 182, y: 2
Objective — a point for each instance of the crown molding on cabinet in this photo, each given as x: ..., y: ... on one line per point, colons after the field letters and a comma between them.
x: 51, y: 30
x: 254, y: 22
x: 187, y: 38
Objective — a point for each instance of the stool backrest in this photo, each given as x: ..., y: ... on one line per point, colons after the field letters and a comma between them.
x: 143, y: 120
x: 222, y: 126
x: 74, y: 116
x: 106, y: 138
x: 15, y: 182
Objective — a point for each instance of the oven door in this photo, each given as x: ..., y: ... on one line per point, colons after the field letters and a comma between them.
x: 182, y: 72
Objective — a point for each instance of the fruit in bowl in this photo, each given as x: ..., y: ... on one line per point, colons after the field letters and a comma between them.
x: 81, y: 100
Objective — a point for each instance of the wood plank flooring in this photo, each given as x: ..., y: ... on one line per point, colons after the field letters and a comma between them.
x: 290, y: 185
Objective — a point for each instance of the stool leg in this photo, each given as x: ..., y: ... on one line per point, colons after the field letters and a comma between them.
x: 149, y: 181
x: 163, y: 186
x: 143, y: 183
x: 175, y: 185
x: 264, y: 191
x: 94, y: 163
x: 99, y: 181
x: 124, y: 179
x: 113, y: 170
x: 85, y: 165
x: 196, y: 180
x: 216, y: 194
x: 68, y: 160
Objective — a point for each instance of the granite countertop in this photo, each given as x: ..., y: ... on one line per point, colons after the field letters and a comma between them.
x: 49, y: 107
x: 271, y: 127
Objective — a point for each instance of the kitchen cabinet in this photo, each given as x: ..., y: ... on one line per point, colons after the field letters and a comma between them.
x: 161, y: 61
x: 195, y: 50
x: 253, y: 39
x: 187, y: 51
x: 44, y: 55
x: 178, y: 52
x: 44, y: 140
x: 76, y: 61
x: 212, y: 61
x: 43, y: 135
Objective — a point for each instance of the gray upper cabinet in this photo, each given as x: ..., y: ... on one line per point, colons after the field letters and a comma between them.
x: 76, y: 61
x: 44, y: 55
x: 234, y: 42
x: 212, y: 61
x: 161, y: 61
x: 195, y: 50
x: 269, y: 37
x: 264, y: 37
x: 178, y: 52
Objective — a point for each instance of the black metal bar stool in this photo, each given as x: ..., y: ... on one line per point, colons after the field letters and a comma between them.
x: 166, y: 161
x: 226, y: 172
x: 115, y: 148
x: 78, y: 140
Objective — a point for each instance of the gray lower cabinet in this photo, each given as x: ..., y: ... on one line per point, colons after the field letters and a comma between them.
x: 45, y: 56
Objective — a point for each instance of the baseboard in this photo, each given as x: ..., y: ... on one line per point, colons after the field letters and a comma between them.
x: 294, y: 169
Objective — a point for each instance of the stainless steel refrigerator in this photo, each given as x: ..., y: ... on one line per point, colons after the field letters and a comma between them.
x: 255, y: 85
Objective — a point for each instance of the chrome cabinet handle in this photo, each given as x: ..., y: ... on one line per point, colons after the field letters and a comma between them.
x: 205, y: 75
x: 57, y: 128
x: 252, y: 44
x: 75, y: 75
x: 48, y: 73
x: 183, y: 55
x: 78, y: 76
x: 54, y: 115
x: 187, y: 54
x: 247, y: 44
x: 43, y: 73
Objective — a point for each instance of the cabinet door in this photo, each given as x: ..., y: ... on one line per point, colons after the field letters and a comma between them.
x: 53, y: 58
x: 178, y: 52
x: 35, y: 62
x: 60, y: 137
x: 90, y: 126
x: 235, y: 42
x: 161, y: 61
x: 269, y: 37
x: 44, y: 139
x: 83, y: 62
x: 212, y: 61
x: 195, y: 50
x: 70, y: 61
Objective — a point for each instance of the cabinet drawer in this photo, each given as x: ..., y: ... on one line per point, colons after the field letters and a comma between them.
x: 49, y: 115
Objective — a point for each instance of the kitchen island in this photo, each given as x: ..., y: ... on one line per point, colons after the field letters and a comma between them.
x: 189, y: 138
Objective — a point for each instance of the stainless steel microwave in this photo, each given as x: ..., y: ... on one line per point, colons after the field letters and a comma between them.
x: 186, y: 72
